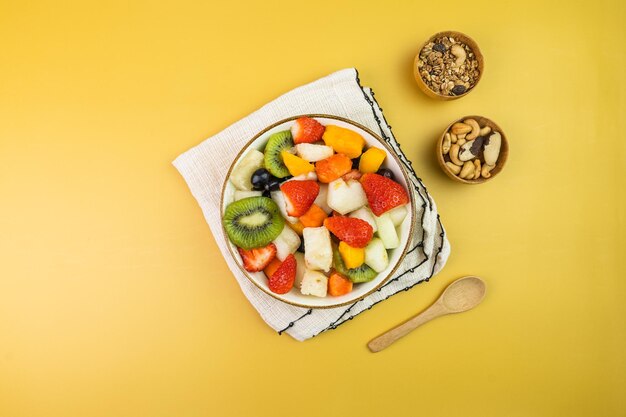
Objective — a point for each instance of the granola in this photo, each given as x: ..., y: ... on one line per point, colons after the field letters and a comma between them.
x: 448, y: 66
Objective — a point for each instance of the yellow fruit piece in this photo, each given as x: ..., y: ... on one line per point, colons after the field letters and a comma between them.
x: 297, y: 227
x: 352, y: 257
x: 344, y: 141
x: 295, y: 164
x: 371, y: 160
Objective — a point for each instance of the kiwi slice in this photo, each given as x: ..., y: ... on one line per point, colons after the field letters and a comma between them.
x: 253, y: 222
x: 357, y: 275
x: 277, y: 142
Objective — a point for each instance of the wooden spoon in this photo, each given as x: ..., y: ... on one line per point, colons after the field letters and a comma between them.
x: 461, y: 295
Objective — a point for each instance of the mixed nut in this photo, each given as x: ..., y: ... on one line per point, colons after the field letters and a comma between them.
x: 471, y: 150
x: 448, y: 66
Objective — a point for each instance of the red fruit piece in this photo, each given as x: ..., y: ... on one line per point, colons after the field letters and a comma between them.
x: 255, y: 260
x: 307, y: 130
x: 299, y: 196
x: 282, y: 280
x: 355, y: 232
x: 383, y: 193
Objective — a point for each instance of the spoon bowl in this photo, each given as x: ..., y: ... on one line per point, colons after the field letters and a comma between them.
x: 463, y: 294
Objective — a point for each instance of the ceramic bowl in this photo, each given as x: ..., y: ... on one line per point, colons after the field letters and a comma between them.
x: 405, y: 230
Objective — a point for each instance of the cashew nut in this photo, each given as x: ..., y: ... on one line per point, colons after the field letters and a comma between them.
x: 454, y: 154
x: 461, y: 142
x: 476, y: 169
x: 446, y: 143
x: 455, y: 169
x: 484, y: 131
x: 453, y: 137
x: 459, y: 52
x: 460, y: 128
x: 461, y: 136
x: 485, y: 172
x: 475, y: 129
x: 467, y: 170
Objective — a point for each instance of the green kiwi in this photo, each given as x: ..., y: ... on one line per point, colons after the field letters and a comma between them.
x: 253, y: 222
x: 277, y: 142
x: 357, y: 275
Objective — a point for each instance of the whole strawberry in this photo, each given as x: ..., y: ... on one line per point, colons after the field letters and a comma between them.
x: 355, y: 232
x: 282, y: 280
x: 383, y: 193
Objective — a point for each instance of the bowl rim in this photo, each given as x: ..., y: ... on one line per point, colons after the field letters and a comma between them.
x: 383, y: 143
x: 477, y: 52
x: 504, y: 151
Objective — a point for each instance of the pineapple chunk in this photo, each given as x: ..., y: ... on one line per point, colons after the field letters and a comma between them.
x: 300, y: 268
x: 318, y: 252
x: 314, y: 283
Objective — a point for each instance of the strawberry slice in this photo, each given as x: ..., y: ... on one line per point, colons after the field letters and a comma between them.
x: 383, y: 193
x: 299, y: 196
x: 307, y: 130
x: 255, y: 260
x: 355, y: 232
x: 282, y: 280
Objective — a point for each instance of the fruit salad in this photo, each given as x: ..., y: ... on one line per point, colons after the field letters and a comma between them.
x: 316, y: 210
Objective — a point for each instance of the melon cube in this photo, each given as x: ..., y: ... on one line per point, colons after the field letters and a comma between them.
x: 376, y: 255
x: 364, y: 213
x: 286, y: 243
x: 387, y: 231
x: 398, y: 214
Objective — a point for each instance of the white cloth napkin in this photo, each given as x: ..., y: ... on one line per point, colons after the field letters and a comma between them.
x: 204, y: 168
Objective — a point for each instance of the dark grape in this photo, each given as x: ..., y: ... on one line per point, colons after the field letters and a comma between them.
x: 301, y: 247
x: 355, y: 162
x: 273, y: 184
x: 386, y: 173
x: 267, y: 194
x: 260, y: 178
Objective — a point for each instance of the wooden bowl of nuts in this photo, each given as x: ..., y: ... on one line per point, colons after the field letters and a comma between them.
x: 472, y: 150
x: 448, y: 65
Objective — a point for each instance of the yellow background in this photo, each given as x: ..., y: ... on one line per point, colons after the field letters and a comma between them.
x: 114, y: 300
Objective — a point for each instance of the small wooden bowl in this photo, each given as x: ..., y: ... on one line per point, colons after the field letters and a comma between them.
x: 504, y: 150
x: 466, y: 40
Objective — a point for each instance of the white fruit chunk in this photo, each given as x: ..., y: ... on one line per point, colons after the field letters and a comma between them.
x: 387, y: 231
x: 240, y: 177
x: 314, y: 283
x: 287, y: 242
x: 345, y: 197
x: 304, y: 177
x: 376, y: 255
x: 364, y: 213
x: 318, y: 253
x: 398, y: 214
x: 240, y: 195
x: 300, y: 268
x: 321, y: 199
x: 313, y: 153
x: 279, y: 199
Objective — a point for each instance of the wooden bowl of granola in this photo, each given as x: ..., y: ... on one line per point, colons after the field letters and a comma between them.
x: 483, y: 152
x: 448, y: 65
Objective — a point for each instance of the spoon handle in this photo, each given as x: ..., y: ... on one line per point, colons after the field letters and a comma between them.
x: 384, y: 340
